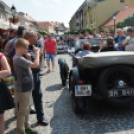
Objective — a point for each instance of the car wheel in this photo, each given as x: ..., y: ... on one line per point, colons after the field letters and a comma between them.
x: 76, y: 101
x: 115, y: 80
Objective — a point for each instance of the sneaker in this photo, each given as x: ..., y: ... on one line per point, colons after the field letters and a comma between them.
x: 30, y: 131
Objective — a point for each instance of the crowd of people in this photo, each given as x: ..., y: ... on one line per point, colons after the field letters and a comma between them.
x: 123, y: 40
x: 23, y: 54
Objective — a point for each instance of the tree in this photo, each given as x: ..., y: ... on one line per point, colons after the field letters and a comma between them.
x: 62, y: 24
x: 72, y: 32
x: 87, y: 29
x: 42, y: 32
x: 129, y: 21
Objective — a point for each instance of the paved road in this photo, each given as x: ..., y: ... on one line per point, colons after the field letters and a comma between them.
x: 100, y: 118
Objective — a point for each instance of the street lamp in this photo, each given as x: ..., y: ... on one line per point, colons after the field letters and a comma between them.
x: 56, y: 29
x: 13, y: 10
x: 114, y: 18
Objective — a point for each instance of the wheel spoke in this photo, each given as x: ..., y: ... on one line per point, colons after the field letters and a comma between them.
x: 117, y: 75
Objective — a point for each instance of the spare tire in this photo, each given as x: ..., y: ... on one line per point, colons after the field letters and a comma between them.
x: 116, y: 79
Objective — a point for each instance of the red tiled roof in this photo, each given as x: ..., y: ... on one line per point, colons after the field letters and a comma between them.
x: 120, y: 16
x: 50, y: 23
x: 44, y: 23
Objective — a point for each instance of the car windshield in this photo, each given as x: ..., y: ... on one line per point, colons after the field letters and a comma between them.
x: 93, y: 42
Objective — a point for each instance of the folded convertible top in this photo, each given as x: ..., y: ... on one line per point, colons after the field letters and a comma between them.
x: 103, y: 59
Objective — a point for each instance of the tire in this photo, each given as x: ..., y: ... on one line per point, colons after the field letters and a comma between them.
x: 76, y: 101
x: 110, y: 78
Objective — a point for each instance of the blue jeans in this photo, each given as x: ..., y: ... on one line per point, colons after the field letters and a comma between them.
x: 50, y: 57
x: 121, y: 48
x: 37, y: 97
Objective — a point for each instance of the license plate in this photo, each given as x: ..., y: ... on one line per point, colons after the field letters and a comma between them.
x: 122, y: 92
x: 83, y: 90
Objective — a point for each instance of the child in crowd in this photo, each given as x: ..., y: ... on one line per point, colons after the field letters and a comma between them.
x: 24, y: 84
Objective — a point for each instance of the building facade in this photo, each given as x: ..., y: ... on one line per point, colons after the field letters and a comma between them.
x: 5, y: 14
x: 79, y: 19
x: 96, y: 12
x: 28, y: 22
x: 52, y: 27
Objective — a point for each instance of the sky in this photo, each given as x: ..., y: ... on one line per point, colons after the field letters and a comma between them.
x: 47, y: 10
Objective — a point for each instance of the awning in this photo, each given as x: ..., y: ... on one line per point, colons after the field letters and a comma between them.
x: 4, y: 24
x: 13, y: 26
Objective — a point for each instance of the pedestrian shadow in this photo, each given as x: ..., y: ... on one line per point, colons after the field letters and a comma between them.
x: 8, y: 122
x: 98, y: 118
x: 54, y: 87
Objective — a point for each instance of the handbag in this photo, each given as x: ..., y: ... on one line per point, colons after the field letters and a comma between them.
x: 9, y: 80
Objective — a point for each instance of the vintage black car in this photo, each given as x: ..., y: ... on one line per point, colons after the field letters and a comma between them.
x: 105, y: 75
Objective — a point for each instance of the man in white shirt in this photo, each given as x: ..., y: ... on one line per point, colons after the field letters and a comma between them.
x: 129, y: 41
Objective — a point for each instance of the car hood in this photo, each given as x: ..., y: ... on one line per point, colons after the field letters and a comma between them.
x: 102, y: 59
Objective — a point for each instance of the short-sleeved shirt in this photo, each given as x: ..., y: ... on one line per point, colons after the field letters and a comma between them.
x: 11, y: 50
x: 84, y: 53
x: 50, y: 46
x: 41, y: 43
x: 31, y: 51
x: 5, y: 42
x: 130, y: 46
x: 23, y: 74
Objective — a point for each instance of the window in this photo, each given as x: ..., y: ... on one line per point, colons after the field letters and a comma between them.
x: 122, y: 1
x: 94, y: 16
x: 91, y: 18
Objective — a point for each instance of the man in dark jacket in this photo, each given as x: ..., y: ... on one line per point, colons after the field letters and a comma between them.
x: 110, y: 45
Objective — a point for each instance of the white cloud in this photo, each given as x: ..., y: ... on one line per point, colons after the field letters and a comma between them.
x: 58, y: 2
x: 36, y: 2
x: 51, y: 6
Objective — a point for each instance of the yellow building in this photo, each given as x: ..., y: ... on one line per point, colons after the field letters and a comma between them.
x: 99, y: 11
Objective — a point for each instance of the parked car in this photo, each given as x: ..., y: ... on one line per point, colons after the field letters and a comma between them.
x: 105, y: 75
x: 62, y: 48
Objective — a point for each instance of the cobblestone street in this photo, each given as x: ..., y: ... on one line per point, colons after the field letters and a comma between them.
x: 100, y: 118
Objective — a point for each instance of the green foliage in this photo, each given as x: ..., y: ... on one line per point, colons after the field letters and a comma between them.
x: 87, y: 29
x: 42, y: 32
x: 72, y: 32
x: 129, y: 21
x: 62, y: 24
